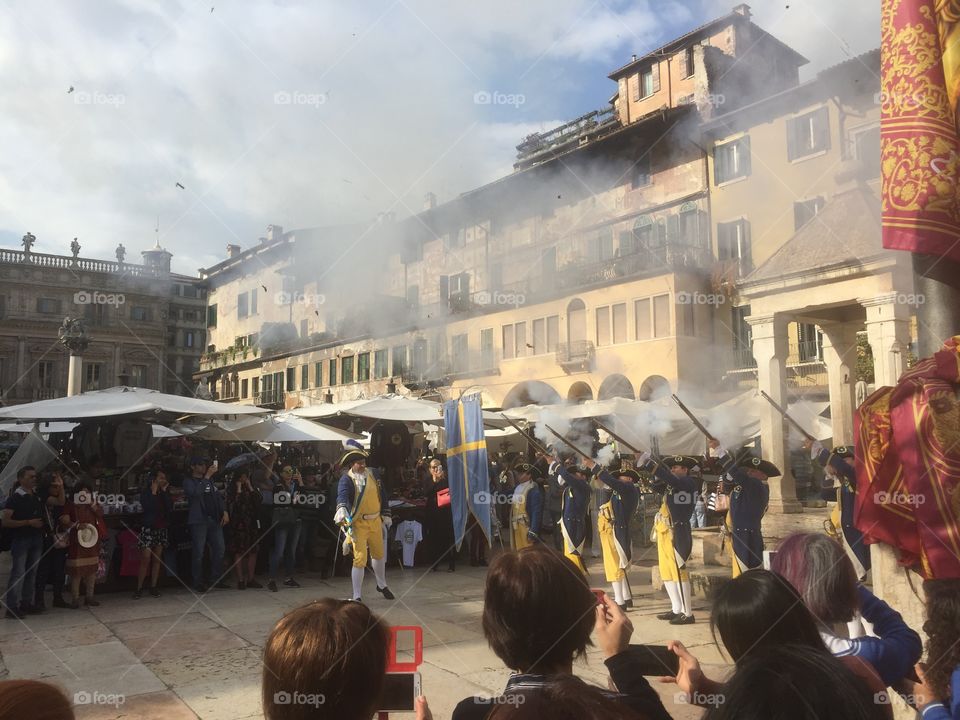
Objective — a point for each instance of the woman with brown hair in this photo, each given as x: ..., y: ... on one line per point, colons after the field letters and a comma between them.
x: 84, y: 517
x: 326, y: 660
x: 152, y: 539
x: 33, y: 699
x: 538, y: 613
x: 243, y: 506
x: 938, y: 693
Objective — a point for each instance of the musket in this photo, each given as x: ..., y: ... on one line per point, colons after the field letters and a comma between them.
x: 623, y: 442
x: 693, y: 418
x: 530, y: 439
x: 577, y: 450
x: 787, y: 417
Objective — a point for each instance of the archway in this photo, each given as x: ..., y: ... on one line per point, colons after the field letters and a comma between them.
x: 615, y: 386
x: 580, y: 392
x: 531, y: 392
x: 654, y: 387
x: 576, y: 322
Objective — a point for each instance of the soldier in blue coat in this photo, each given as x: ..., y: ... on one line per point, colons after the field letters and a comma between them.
x: 841, y: 462
x: 746, y: 482
x: 576, y: 496
x: 613, y: 523
x: 672, y: 526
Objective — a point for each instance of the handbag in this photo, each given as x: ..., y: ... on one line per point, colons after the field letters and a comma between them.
x: 443, y: 497
x: 722, y: 503
x: 284, y: 515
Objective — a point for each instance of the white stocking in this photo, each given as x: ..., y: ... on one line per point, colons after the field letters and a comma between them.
x: 625, y: 590
x: 673, y: 590
x: 380, y: 571
x: 357, y: 577
x: 617, y: 593
x: 686, y: 598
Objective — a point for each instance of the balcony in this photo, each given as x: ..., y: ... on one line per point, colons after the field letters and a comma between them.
x: 77, y: 264
x: 576, y: 356
x: 428, y: 374
x: 273, y: 399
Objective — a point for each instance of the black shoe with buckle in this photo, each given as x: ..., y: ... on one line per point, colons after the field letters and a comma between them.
x: 682, y: 619
x: 290, y: 582
x: 272, y: 586
x: 669, y: 615
x: 385, y: 591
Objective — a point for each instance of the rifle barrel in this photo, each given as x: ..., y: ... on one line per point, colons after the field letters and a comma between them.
x: 693, y: 418
x: 530, y: 439
x: 787, y: 417
x: 580, y: 452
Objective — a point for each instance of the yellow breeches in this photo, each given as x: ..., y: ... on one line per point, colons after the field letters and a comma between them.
x: 670, y: 570
x: 367, y: 536
x: 575, y: 559
x: 519, y: 535
x: 611, y: 555
x: 737, y: 569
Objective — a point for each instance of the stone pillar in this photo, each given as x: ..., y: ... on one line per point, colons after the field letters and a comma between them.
x: 770, y: 349
x: 840, y: 357
x: 21, y: 381
x: 75, y: 375
x: 888, y: 332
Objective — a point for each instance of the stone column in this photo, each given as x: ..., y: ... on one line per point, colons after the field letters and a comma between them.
x: 20, y: 383
x: 75, y: 375
x: 840, y: 357
x: 888, y: 332
x: 770, y: 348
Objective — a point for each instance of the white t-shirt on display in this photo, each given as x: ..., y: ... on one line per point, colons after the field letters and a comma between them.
x: 409, y: 533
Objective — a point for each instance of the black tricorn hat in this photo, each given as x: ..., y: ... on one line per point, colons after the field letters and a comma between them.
x: 632, y: 474
x: 687, y: 461
x: 353, y: 455
x: 764, y: 466
x: 533, y: 470
x: 844, y: 451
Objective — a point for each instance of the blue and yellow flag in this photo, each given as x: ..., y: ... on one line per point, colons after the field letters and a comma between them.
x: 467, y: 466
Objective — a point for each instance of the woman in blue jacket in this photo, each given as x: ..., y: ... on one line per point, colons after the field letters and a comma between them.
x: 938, y: 694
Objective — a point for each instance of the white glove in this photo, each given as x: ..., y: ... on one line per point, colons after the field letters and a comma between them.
x: 645, y: 457
x: 815, y: 449
x: 340, y: 516
x: 387, y: 521
x: 347, y: 547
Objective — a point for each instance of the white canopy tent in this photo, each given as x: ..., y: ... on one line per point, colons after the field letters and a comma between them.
x: 282, y: 427
x: 398, y: 408
x: 123, y: 400
x: 49, y: 428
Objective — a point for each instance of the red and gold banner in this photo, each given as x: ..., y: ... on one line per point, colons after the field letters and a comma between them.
x: 908, y: 465
x: 920, y: 150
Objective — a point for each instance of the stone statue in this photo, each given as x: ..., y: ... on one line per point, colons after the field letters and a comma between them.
x: 28, y: 240
x: 75, y: 248
x: 121, y: 253
x: 73, y: 335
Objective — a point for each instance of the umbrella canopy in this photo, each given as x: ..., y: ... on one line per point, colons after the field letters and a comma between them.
x: 123, y: 400
x: 49, y: 428
x: 282, y: 427
x: 389, y: 407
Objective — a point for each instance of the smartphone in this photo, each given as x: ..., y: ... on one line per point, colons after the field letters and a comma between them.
x: 657, y: 660
x: 400, y: 691
x: 768, y: 558
x: 599, y: 594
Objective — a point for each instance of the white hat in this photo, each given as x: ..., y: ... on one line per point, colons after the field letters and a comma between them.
x: 87, y: 535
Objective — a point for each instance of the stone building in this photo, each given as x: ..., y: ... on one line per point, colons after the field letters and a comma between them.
x: 145, y: 321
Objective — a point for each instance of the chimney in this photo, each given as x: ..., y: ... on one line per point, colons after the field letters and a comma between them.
x: 633, y: 58
x: 429, y: 201
x: 743, y: 9
x: 232, y: 251
x: 274, y: 232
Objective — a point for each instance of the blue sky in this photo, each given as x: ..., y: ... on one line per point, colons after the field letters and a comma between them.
x: 308, y: 113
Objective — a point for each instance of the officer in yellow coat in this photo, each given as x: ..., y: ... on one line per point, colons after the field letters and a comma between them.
x: 363, y: 510
x: 526, y: 507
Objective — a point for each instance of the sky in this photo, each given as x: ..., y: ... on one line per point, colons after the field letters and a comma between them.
x: 306, y: 114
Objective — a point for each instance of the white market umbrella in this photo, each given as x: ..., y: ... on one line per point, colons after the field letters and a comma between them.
x: 123, y: 400
x: 398, y: 408
x: 49, y: 428
x: 280, y: 428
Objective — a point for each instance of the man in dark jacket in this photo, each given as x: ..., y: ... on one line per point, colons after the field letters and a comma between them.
x: 206, y: 516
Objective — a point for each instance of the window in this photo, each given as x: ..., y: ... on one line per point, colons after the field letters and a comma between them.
x: 486, y: 348
x: 612, y: 324
x: 867, y: 148
x: 509, y: 350
x: 244, y: 388
x: 553, y: 333
x: 140, y: 314
x: 733, y: 244
x: 138, y: 376
x: 641, y: 171
x: 649, y: 81
x: 189, y: 339
x: 661, y: 316
x: 318, y: 374
x: 539, y: 336
x: 692, y: 227
x: 619, y: 316
x: 48, y: 306
x: 46, y: 375
x: 332, y: 374
x: 805, y: 211
x: 413, y: 296
x: 212, y: 316
x: 687, y: 319
x: 808, y: 134
x: 742, y: 337
x: 600, y: 247
x: 603, y: 326
x: 363, y: 367
x: 809, y: 343
x: 256, y: 387
x: 242, y: 306
x: 687, y: 62
x: 95, y: 314
x: 91, y: 376
x: 380, y: 364
x: 399, y: 360
x: 304, y: 377
x: 520, y: 331
x: 731, y: 160
x: 253, y: 302
x: 291, y: 379
x: 460, y: 349
x: 346, y: 370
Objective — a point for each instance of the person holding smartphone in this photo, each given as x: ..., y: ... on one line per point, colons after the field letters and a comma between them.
x: 206, y: 516
x: 157, y: 510
x: 243, y: 506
